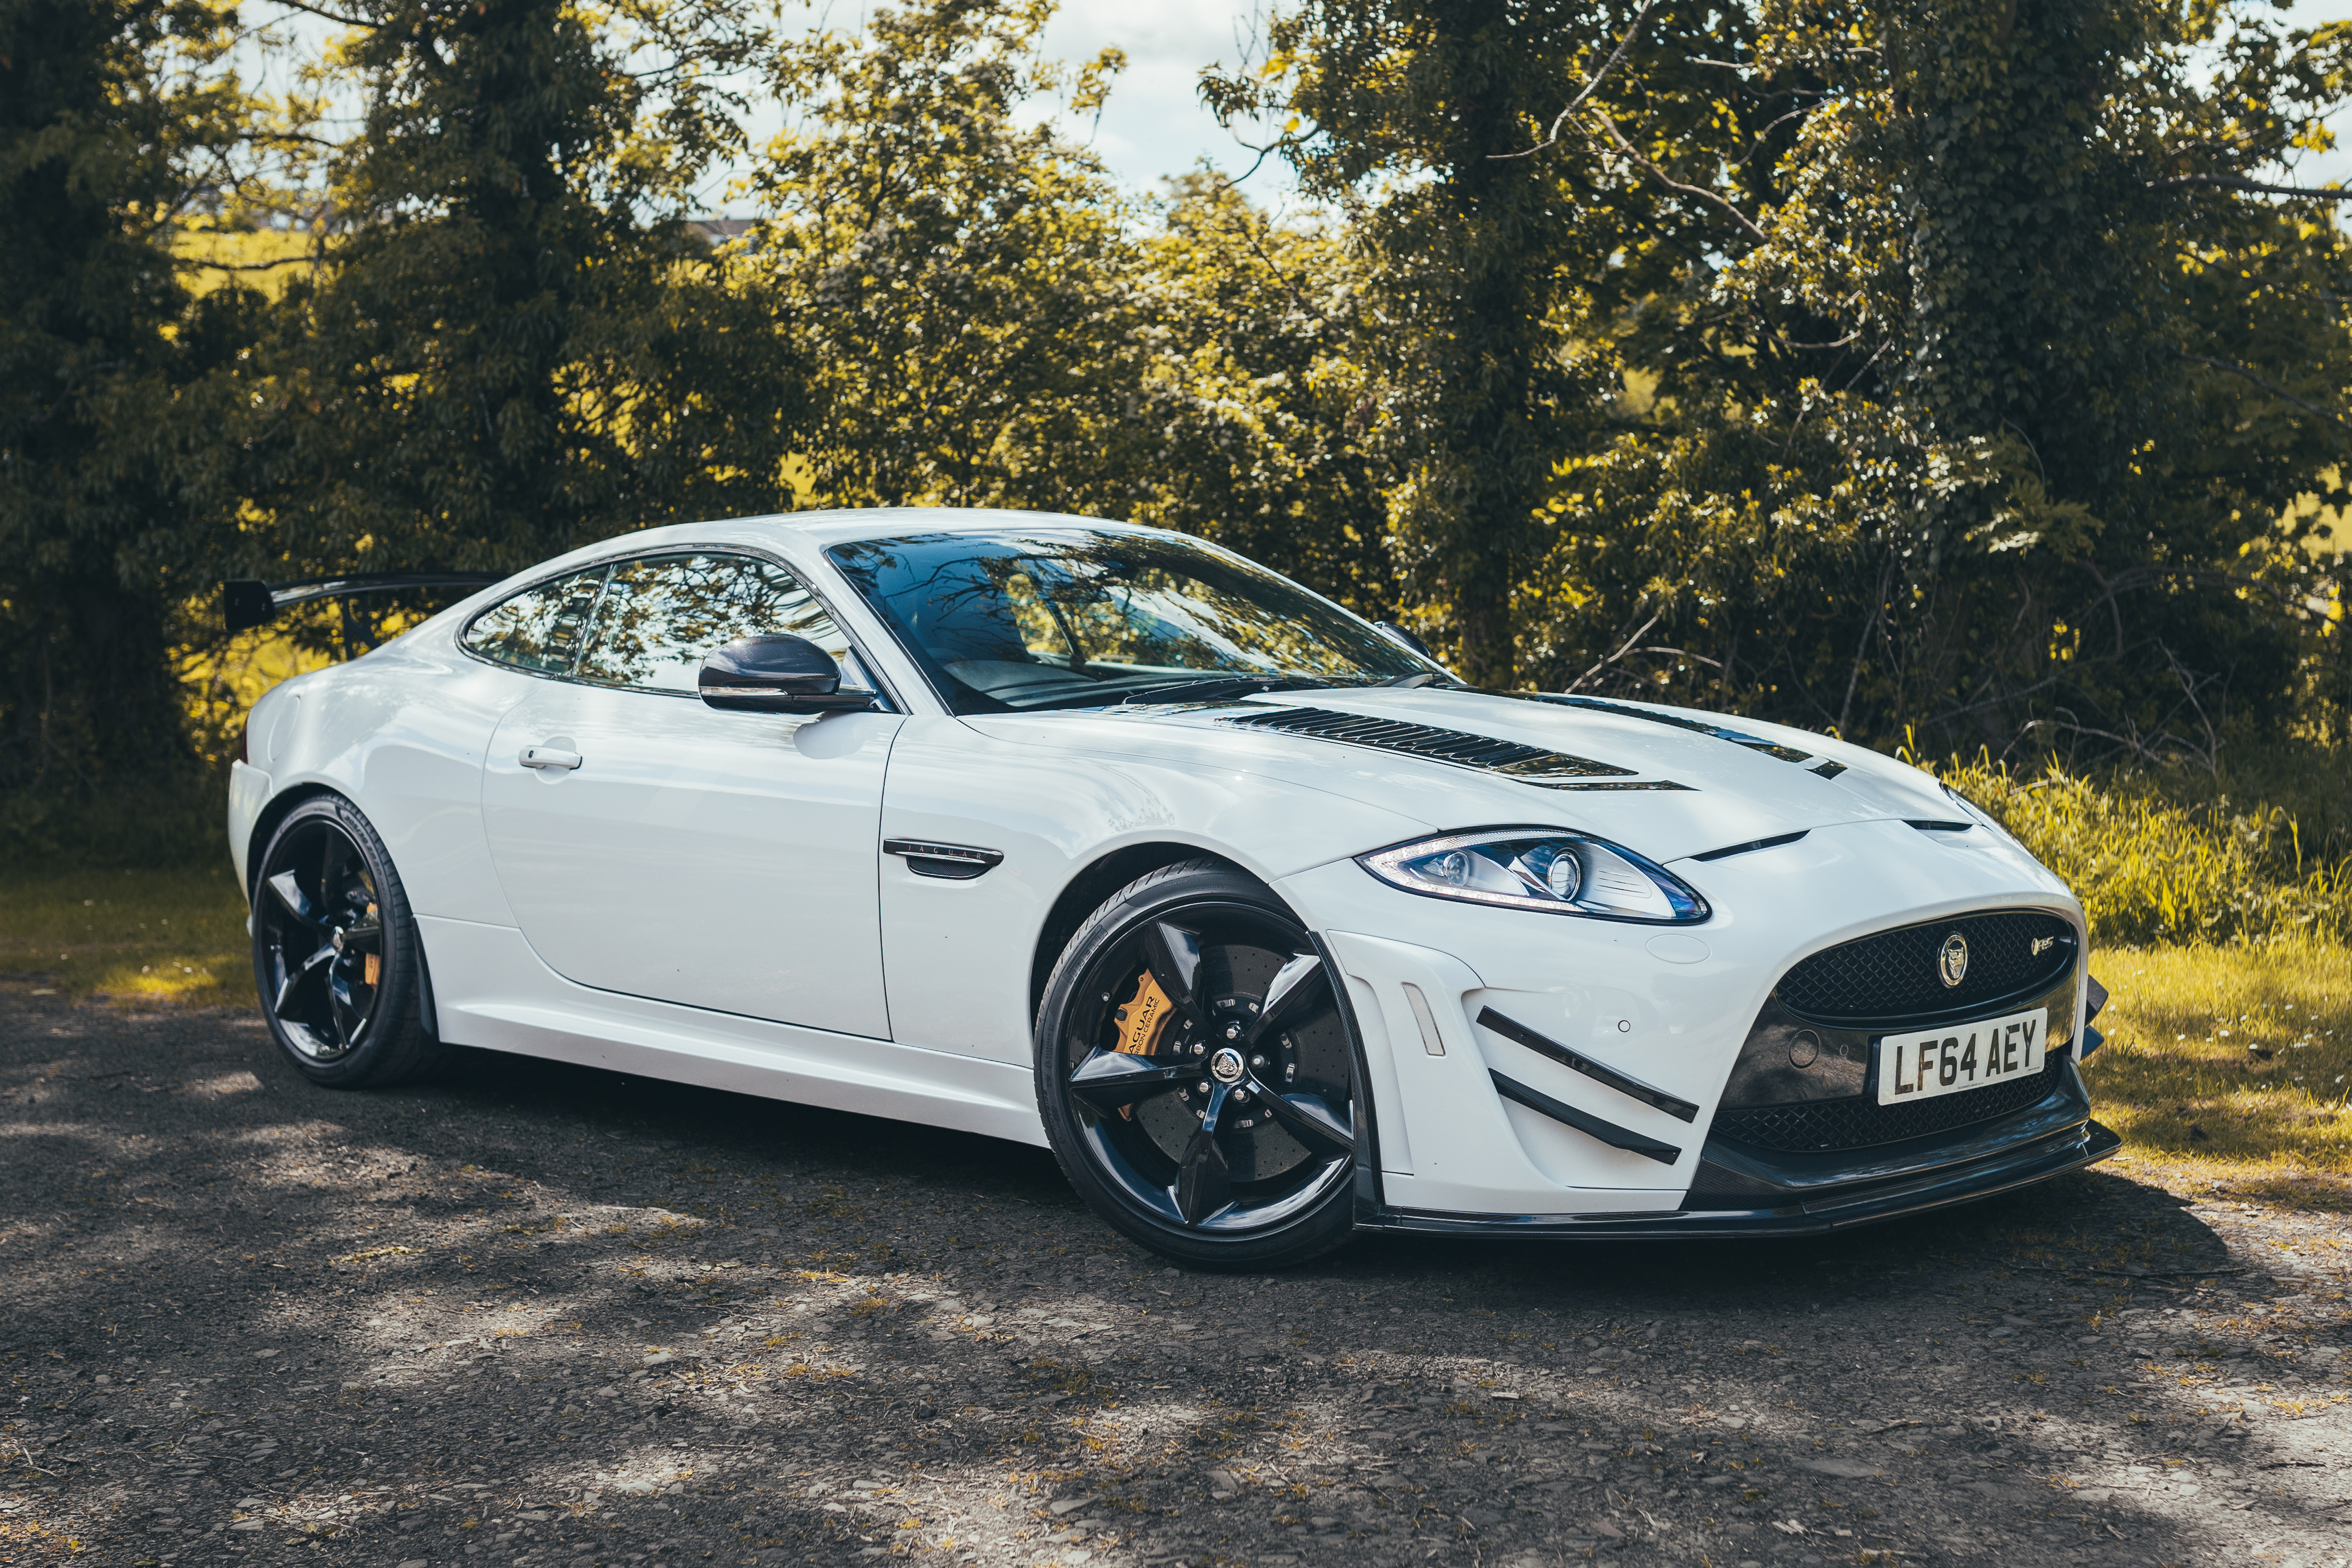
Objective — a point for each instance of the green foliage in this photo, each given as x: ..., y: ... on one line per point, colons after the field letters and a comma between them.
x: 2006, y: 376
x: 515, y: 342
x: 959, y: 282
x: 1251, y: 418
x: 1942, y: 371
x: 2153, y: 862
x: 1497, y: 281
x: 110, y: 113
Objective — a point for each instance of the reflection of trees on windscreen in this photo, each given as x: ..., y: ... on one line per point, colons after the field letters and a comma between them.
x: 1166, y: 620
x: 1107, y: 607
x: 663, y: 617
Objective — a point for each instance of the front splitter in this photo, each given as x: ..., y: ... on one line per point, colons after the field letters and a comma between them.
x: 2082, y: 1145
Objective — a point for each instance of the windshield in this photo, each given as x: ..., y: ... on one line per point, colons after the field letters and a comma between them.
x: 1078, y: 618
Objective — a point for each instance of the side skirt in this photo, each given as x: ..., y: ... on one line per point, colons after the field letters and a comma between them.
x: 494, y: 993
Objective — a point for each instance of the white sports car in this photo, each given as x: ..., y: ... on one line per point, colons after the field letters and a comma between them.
x: 1105, y: 838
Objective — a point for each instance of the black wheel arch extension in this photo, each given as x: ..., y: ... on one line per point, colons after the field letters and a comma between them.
x: 1084, y: 893
x: 265, y: 826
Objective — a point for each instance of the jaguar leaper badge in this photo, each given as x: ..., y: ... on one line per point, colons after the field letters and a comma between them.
x: 1952, y: 963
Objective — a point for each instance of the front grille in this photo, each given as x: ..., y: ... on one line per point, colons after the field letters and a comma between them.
x: 1896, y: 976
x: 1858, y: 1122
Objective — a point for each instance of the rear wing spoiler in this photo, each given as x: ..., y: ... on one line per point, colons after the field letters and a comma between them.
x: 247, y: 602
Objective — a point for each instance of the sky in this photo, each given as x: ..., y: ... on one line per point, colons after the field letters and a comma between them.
x: 1154, y: 125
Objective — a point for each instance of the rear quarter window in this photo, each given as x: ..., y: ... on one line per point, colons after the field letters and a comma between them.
x: 540, y: 628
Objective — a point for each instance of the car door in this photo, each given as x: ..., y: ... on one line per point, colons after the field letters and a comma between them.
x: 653, y: 846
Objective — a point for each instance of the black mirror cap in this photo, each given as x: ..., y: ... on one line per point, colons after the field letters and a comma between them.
x: 778, y: 673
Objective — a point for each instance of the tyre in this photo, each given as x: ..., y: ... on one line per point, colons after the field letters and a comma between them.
x: 1195, y: 1076
x: 335, y: 951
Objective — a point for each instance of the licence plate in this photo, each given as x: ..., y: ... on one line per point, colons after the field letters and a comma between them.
x: 1961, y: 1056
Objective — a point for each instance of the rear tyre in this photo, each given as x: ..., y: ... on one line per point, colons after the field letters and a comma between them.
x: 1196, y: 1080
x: 335, y: 952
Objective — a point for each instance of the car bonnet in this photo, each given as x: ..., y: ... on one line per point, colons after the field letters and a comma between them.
x: 1665, y: 782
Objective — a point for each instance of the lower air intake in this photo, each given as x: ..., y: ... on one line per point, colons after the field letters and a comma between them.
x: 1858, y: 1122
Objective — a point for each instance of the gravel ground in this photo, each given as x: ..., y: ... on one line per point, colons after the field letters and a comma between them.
x: 547, y: 1315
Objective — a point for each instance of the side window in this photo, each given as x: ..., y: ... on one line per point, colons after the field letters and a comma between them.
x: 663, y: 616
x: 538, y: 628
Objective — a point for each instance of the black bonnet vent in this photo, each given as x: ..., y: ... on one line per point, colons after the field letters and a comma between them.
x: 1529, y: 764
x: 1697, y: 726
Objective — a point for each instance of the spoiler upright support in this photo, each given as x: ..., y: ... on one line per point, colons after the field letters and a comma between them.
x: 247, y: 602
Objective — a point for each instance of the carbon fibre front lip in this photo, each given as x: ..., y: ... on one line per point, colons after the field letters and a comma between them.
x: 2036, y: 1160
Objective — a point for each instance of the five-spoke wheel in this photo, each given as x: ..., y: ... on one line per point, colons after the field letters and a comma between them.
x: 334, y: 952
x: 1195, y: 1074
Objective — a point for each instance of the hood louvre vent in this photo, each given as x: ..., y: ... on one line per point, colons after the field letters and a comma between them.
x: 1697, y: 726
x: 1529, y: 764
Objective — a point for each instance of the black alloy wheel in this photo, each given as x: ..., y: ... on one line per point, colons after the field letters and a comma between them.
x: 1196, y: 1078
x: 335, y: 955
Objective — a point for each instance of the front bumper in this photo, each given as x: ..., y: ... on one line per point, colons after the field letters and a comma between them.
x: 1801, y: 1195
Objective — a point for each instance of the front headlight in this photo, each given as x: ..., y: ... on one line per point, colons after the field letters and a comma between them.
x: 1542, y: 869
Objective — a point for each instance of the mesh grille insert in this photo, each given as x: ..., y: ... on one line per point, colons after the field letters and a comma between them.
x: 1531, y: 763
x: 1858, y: 1122
x: 1896, y: 975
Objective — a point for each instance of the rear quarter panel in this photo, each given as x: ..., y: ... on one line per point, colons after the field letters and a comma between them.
x: 402, y: 732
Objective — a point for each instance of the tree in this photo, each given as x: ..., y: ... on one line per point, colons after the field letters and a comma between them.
x: 516, y: 341
x: 1981, y: 425
x: 1502, y: 264
x: 1250, y: 417
x: 960, y: 281
x: 115, y: 117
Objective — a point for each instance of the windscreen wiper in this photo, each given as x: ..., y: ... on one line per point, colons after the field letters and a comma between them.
x: 1210, y: 688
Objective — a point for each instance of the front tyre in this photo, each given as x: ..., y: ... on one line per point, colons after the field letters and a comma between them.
x: 335, y: 952
x: 1195, y: 1078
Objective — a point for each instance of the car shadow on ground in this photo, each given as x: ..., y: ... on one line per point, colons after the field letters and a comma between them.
x: 531, y: 1313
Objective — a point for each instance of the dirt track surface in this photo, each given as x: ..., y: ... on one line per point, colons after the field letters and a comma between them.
x: 545, y: 1315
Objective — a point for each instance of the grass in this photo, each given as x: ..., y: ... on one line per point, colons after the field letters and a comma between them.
x: 2175, y: 860
x: 2224, y: 1062
x: 130, y: 936
x: 2231, y: 1063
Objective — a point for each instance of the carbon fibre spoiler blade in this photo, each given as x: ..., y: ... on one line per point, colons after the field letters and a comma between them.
x: 247, y: 602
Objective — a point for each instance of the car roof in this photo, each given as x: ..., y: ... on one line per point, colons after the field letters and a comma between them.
x: 840, y: 525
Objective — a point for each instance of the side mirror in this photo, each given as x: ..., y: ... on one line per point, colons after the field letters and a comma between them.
x: 778, y: 674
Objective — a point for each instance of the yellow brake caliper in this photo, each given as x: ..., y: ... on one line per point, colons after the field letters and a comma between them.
x: 1142, y: 1019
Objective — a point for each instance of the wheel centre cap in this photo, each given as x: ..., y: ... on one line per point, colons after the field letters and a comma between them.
x: 1225, y: 1067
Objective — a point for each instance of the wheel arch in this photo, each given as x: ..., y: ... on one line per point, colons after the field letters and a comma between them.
x: 266, y: 824
x: 1093, y: 883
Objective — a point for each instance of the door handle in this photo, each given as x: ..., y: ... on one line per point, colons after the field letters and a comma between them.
x: 547, y: 758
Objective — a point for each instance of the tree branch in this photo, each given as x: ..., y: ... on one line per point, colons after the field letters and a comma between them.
x: 2263, y: 187
x: 2283, y: 396
x: 1551, y: 137
x: 1613, y: 657
x: 303, y: 260
x: 326, y: 15
x: 1671, y: 183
